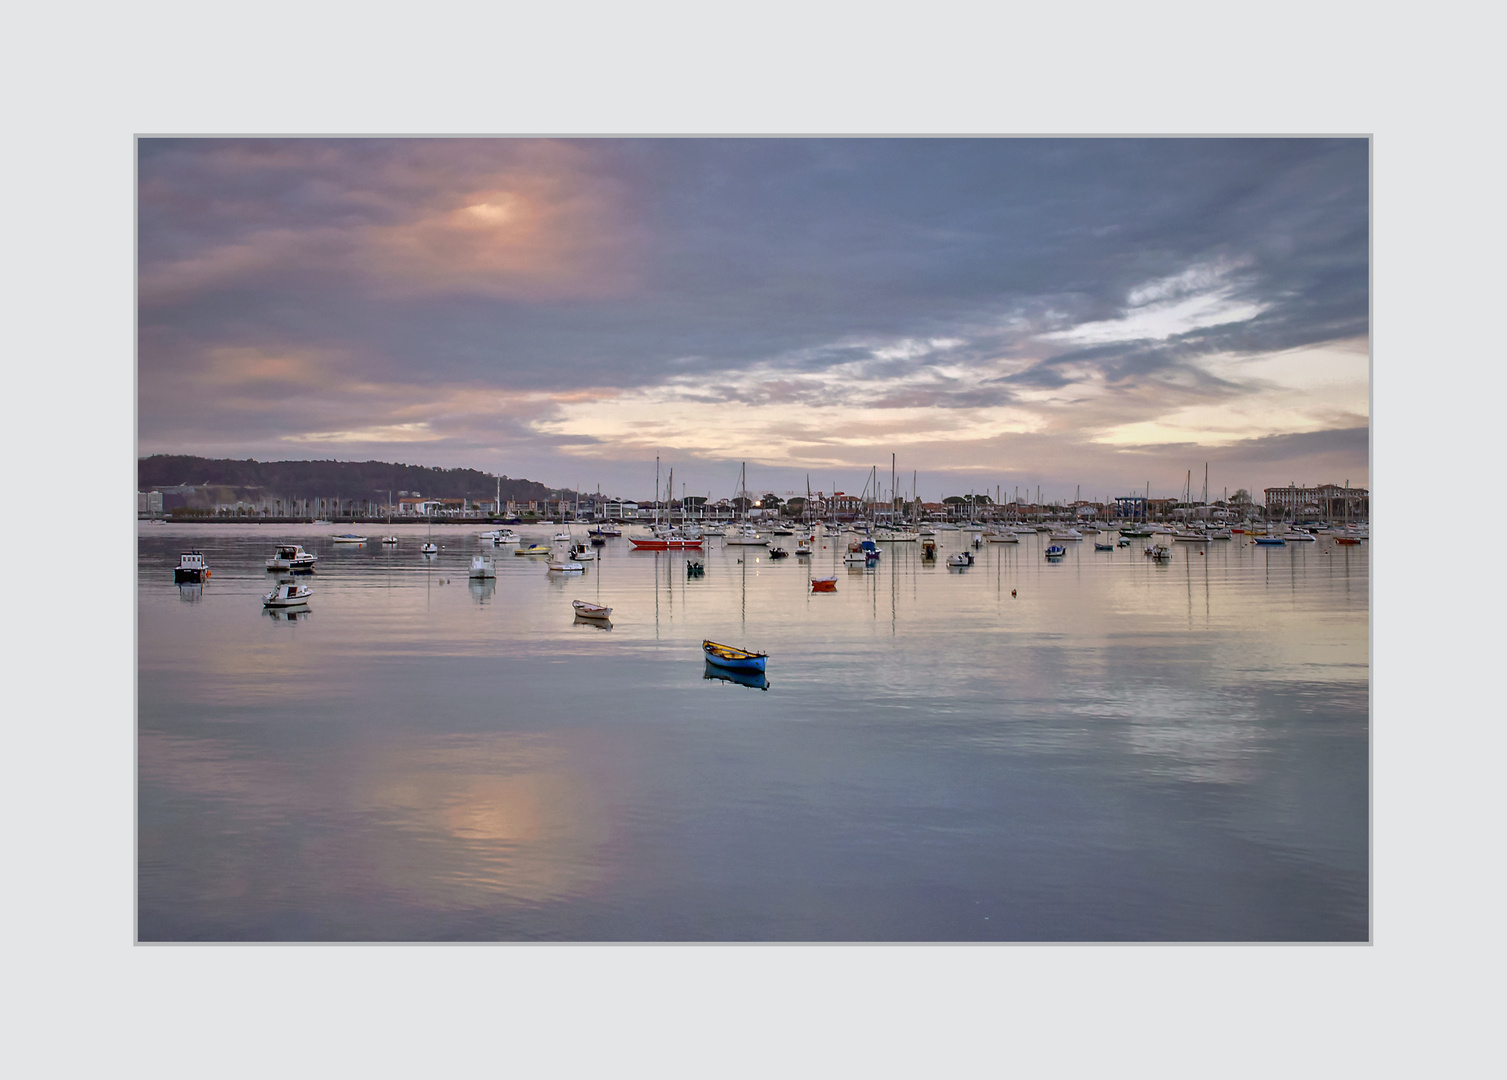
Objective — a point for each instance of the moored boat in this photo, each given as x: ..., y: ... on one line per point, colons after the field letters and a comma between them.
x: 745, y: 536
x: 483, y: 567
x: 563, y: 564
x: 533, y: 549
x: 286, y: 594
x: 666, y: 543
x: 960, y: 560
x: 348, y: 538
x: 191, y: 567
x: 291, y: 557
x: 824, y: 584
x: 1056, y: 551
x: 1098, y: 546
x: 590, y: 611
x: 732, y: 658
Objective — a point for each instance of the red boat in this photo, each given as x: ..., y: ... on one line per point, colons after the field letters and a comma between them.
x: 664, y: 543
x: 824, y: 584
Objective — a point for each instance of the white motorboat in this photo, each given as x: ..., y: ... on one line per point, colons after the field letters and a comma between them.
x: 389, y: 539
x: 563, y: 538
x: 430, y: 548
x: 1059, y: 535
x: 483, y: 567
x: 292, y: 557
x: 746, y: 536
x: 1001, y: 538
x: 563, y: 565
x: 286, y: 594
x: 961, y: 559
x: 582, y: 553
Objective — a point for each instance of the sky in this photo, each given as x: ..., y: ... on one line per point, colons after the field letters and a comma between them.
x: 1080, y: 315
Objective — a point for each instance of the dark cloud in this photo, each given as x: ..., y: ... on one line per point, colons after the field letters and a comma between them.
x: 643, y: 260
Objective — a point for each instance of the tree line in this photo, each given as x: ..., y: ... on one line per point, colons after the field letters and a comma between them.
x: 347, y: 479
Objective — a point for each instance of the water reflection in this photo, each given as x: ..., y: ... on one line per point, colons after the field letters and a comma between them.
x: 1102, y: 749
x: 754, y: 679
x: 599, y: 623
x: 288, y: 614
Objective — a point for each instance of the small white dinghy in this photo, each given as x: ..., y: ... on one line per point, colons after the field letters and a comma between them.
x: 590, y: 611
x: 286, y: 594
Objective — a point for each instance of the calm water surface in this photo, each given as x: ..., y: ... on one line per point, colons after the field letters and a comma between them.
x: 1101, y: 749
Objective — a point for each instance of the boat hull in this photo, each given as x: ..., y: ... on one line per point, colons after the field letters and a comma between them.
x: 725, y: 656
x: 654, y: 543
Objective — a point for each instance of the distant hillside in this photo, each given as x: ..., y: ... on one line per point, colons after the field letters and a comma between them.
x: 329, y: 479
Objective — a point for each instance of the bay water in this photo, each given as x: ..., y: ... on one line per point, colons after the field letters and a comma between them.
x: 1098, y: 749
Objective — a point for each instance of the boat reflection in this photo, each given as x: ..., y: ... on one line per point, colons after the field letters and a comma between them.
x: 755, y: 679
x: 482, y: 589
x: 600, y: 624
x: 191, y: 592
x: 292, y: 614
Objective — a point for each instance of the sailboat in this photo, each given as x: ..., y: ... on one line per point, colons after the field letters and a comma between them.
x: 430, y: 548
x: 664, y: 537
x: 389, y: 538
x: 745, y: 535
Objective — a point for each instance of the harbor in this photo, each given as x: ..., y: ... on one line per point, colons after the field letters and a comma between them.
x: 1097, y: 746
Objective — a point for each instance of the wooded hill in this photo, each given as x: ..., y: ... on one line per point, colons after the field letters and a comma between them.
x: 324, y: 479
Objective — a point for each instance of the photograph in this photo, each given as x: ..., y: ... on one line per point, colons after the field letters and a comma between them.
x: 840, y: 539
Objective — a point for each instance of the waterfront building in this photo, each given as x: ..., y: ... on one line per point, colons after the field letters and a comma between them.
x: 1325, y: 501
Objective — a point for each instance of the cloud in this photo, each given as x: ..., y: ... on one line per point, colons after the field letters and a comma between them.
x: 559, y: 301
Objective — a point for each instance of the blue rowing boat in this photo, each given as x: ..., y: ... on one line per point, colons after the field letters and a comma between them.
x: 725, y: 656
